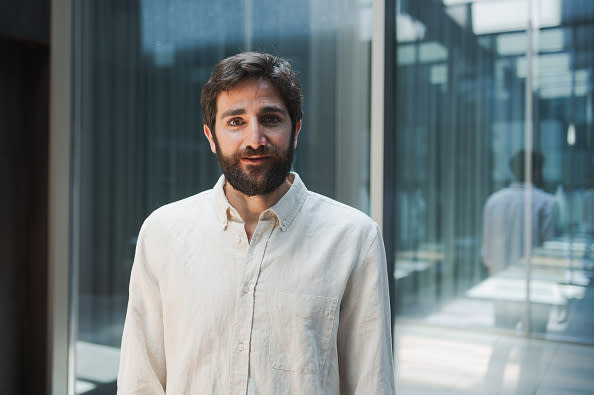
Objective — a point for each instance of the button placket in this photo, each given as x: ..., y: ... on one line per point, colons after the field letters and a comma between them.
x: 244, y: 322
x: 254, y: 255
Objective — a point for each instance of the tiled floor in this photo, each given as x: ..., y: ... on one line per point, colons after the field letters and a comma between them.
x: 445, y: 361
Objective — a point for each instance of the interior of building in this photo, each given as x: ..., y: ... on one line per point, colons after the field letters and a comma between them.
x: 463, y: 127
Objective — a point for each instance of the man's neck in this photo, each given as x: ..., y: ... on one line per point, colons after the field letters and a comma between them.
x: 250, y: 207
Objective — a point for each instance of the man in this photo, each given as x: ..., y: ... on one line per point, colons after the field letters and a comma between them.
x: 257, y: 286
x: 503, y: 219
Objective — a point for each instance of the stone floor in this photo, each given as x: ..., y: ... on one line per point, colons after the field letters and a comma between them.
x: 433, y: 360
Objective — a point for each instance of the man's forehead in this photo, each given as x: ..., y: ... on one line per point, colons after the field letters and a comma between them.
x: 255, y: 94
x: 258, y: 86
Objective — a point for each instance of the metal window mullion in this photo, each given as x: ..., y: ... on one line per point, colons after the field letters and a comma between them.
x: 383, y: 195
x: 376, y: 157
x: 59, y: 189
x: 531, y: 61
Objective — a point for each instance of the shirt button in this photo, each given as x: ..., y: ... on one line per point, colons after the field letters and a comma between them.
x: 245, y: 290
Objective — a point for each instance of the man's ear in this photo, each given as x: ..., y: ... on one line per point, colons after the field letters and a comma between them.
x: 297, y: 130
x: 209, y: 136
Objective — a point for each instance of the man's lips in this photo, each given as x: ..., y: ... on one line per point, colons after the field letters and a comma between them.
x: 255, y: 159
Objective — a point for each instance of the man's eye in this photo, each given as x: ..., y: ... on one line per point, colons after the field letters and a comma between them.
x: 270, y: 120
x: 235, y: 122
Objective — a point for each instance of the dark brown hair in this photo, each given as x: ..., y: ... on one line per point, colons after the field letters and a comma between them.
x: 517, y: 164
x: 232, y: 70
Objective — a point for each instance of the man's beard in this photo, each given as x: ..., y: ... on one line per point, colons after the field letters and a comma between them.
x: 256, y: 179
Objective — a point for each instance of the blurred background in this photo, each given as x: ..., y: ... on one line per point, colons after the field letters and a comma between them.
x: 488, y: 158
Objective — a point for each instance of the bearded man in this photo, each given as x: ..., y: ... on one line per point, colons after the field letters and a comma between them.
x: 257, y: 286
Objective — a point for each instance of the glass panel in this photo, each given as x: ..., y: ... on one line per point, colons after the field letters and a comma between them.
x: 565, y: 263
x: 459, y: 118
x: 140, y: 68
x: 463, y: 251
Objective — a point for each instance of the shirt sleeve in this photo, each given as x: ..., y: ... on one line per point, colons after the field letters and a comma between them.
x: 548, y: 220
x: 364, y: 333
x: 487, y: 238
x: 142, y: 360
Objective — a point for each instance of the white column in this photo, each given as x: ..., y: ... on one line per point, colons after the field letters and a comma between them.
x: 377, y: 114
x: 59, y: 354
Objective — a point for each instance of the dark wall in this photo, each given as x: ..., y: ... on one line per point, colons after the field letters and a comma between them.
x: 24, y: 92
x: 25, y: 19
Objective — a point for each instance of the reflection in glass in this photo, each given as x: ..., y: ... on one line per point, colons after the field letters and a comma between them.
x: 460, y: 117
x: 140, y: 67
x: 504, y: 215
x: 504, y: 247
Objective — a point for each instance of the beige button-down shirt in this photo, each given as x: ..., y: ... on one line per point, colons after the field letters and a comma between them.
x: 301, y: 309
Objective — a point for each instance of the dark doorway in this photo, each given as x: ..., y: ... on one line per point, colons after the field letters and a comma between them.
x: 24, y: 92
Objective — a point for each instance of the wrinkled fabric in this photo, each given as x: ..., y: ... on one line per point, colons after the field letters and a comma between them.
x: 301, y: 309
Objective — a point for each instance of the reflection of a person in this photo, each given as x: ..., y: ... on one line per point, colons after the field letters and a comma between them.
x: 503, y: 220
x: 503, y: 245
x: 588, y: 228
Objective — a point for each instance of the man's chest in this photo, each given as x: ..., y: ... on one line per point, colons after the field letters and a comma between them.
x: 278, y: 296
x: 223, y: 265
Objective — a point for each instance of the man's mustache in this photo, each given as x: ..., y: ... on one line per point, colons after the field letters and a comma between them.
x: 264, y: 150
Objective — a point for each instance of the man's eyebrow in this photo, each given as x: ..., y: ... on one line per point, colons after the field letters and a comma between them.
x: 274, y: 109
x: 232, y: 112
x: 264, y: 110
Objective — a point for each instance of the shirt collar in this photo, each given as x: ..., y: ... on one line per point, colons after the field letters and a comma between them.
x: 222, y: 206
x: 285, y: 210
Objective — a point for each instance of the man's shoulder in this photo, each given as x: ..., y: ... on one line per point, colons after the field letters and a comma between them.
x: 506, y: 192
x: 504, y: 196
x: 544, y: 195
x: 180, y: 211
x: 328, y: 209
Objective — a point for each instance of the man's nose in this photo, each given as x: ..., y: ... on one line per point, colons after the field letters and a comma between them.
x: 255, y: 134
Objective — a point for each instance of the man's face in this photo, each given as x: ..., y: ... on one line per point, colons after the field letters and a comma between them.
x: 252, y: 138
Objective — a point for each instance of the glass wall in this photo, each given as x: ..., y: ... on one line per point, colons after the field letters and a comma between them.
x: 139, y: 68
x: 495, y: 187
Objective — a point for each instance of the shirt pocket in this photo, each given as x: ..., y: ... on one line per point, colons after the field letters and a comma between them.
x: 300, y: 331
